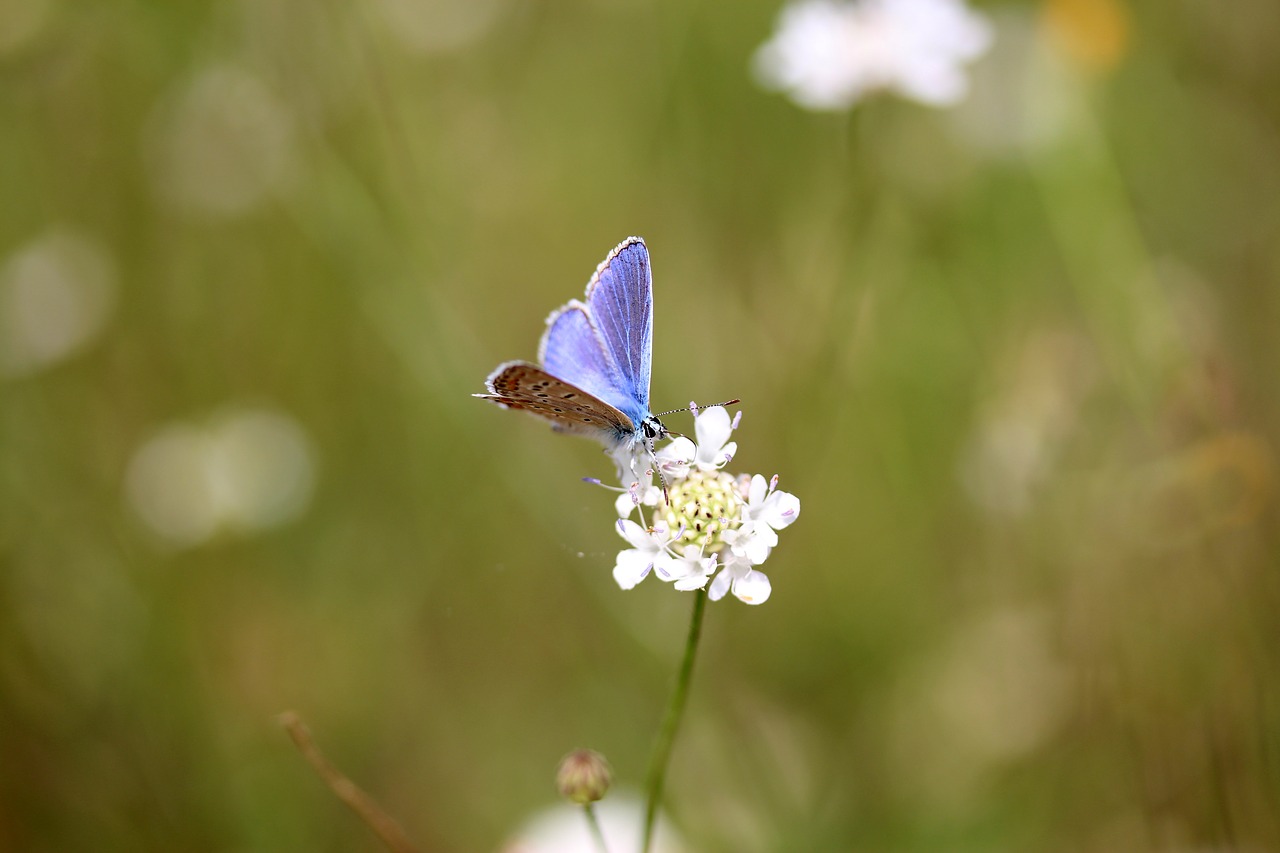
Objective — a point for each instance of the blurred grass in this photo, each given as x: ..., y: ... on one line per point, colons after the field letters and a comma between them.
x: 1016, y: 359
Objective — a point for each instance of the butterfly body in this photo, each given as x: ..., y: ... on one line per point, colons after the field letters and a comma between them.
x: 595, y: 359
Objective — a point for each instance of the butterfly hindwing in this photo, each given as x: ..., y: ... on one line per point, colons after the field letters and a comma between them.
x: 525, y: 386
x: 573, y: 350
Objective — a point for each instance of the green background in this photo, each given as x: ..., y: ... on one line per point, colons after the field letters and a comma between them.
x: 1017, y: 359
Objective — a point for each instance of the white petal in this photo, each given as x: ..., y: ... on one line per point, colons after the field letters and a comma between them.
x: 625, y: 505
x: 720, y: 585
x: 697, y: 581
x: 754, y: 588
x: 736, y: 565
x: 736, y: 538
x: 758, y: 546
x: 674, y: 459
x: 667, y: 567
x: 934, y: 84
x: 635, y: 534
x: 680, y: 449
x: 779, y: 510
x: 749, y: 545
x: 695, y: 572
x: 713, y: 428
x: 632, y: 567
x: 759, y: 488
x: 726, y: 454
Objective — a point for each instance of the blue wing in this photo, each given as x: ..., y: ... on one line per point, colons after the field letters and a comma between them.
x: 605, y: 346
x: 573, y: 350
x: 620, y: 301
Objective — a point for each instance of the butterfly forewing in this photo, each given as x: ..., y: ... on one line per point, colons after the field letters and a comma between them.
x: 525, y: 386
x: 620, y: 301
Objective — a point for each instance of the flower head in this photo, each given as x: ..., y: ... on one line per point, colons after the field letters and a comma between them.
x: 709, y: 524
x: 829, y: 54
x: 584, y: 776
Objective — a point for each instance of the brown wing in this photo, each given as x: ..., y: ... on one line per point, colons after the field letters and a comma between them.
x: 525, y: 386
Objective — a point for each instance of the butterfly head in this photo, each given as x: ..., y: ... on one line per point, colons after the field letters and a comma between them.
x: 651, y: 430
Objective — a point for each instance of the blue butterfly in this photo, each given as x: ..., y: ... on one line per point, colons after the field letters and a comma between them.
x: 595, y: 359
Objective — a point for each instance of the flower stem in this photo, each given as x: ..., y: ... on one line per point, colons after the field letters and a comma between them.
x: 594, y: 823
x: 667, y: 734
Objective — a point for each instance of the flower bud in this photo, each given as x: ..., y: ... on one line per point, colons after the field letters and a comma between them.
x: 584, y: 776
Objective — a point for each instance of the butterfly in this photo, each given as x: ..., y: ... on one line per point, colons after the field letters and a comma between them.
x: 595, y: 359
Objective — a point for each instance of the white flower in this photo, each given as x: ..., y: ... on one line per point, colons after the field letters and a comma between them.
x: 697, y: 570
x: 676, y: 457
x: 747, y: 584
x: 828, y: 54
x: 648, y: 552
x: 712, y: 452
x: 707, y: 526
x: 745, y: 544
x: 561, y: 829
x: 766, y: 512
x: 638, y: 494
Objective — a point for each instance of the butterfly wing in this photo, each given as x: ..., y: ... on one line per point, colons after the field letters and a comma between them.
x: 525, y: 386
x: 573, y: 350
x: 620, y: 301
x: 605, y: 345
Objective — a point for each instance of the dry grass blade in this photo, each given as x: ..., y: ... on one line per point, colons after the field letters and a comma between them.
x: 382, y: 824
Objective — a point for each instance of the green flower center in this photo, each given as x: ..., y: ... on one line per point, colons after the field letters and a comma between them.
x: 705, y: 505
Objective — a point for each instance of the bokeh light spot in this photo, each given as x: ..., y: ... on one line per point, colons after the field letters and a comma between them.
x: 56, y: 294
x: 222, y: 144
x: 249, y: 470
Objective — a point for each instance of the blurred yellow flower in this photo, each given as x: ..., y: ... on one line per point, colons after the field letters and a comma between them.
x: 1094, y: 34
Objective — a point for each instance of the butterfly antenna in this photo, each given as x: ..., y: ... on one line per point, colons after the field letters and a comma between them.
x: 693, y: 407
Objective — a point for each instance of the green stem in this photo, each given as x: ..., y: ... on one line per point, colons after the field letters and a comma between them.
x: 667, y: 734
x: 596, y: 832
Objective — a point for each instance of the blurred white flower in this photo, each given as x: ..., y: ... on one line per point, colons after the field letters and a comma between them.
x: 828, y: 54
x: 222, y: 144
x: 993, y: 692
x: 263, y: 471
x: 439, y: 26
x: 563, y: 829
x: 247, y: 471
x: 56, y: 294
x: 709, y: 521
x: 22, y: 22
x: 1026, y: 96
